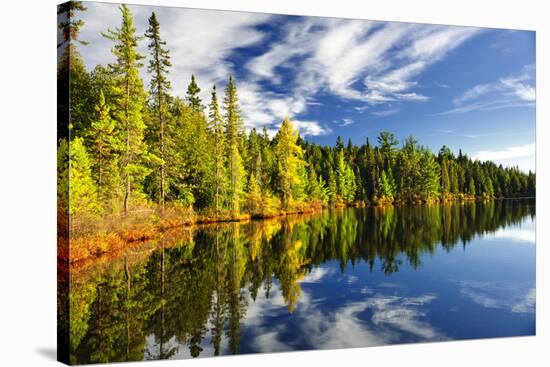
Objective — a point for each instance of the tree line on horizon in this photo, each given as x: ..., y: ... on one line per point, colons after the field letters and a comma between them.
x: 125, y: 147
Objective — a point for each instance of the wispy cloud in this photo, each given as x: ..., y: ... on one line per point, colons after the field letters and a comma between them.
x: 513, y: 152
x: 507, y: 92
x: 193, y: 50
x: 386, y: 113
x: 366, y: 61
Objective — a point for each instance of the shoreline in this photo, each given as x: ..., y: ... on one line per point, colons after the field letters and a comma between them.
x: 92, y: 246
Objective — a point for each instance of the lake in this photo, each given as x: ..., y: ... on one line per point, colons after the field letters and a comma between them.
x: 352, y: 277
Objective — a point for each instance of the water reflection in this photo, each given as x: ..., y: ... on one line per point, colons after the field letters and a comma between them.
x: 340, y: 278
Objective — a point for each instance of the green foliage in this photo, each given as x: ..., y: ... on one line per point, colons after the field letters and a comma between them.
x: 75, y: 179
x: 233, y: 131
x: 290, y: 166
x: 193, y: 98
x: 430, y: 174
x: 218, y: 137
x: 135, y: 148
x: 104, y: 149
x: 129, y: 103
x: 159, y: 99
x: 386, y: 187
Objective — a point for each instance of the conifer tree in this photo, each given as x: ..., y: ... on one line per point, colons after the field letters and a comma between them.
x: 445, y: 181
x: 471, y: 187
x: 430, y: 174
x: 75, y: 100
x: 314, y: 187
x: 289, y: 161
x: 159, y: 97
x: 129, y: 102
x: 233, y: 129
x: 104, y: 152
x: 74, y: 169
x: 193, y: 98
x: 216, y: 129
x: 385, y: 187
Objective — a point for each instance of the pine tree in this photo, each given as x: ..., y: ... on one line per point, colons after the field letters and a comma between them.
x: 351, y: 186
x: 159, y: 95
x: 289, y: 162
x: 471, y: 187
x: 341, y: 175
x: 76, y: 189
x: 332, y: 186
x: 193, y: 98
x: 75, y: 100
x: 385, y: 187
x: 233, y: 129
x: 314, y: 189
x: 104, y: 152
x: 129, y: 103
x: 430, y: 174
x: 445, y: 181
x: 216, y: 129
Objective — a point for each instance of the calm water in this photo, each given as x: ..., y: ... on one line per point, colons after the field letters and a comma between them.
x: 341, y: 278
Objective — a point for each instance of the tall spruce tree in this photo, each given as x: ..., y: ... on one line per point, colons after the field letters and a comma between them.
x: 75, y: 100
x: 129, y: 103
x: 233, y: 130
x: 159, y: 97
x: 216, y: 129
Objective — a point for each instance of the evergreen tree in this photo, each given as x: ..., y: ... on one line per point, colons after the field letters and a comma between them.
x: 129, y: 103
x: 104, y: 152
x: 74, y: 169
x: 233, y: 129
x: 314, y: 188
x: 445, y: 181
x: 289, y: 162
x: 216, y: 128
x: 159, y: 96
x: 471, y: 187
x: 385, y: 187
x: 430, y: 174
x: 193, y: 98
x: 74, y: 98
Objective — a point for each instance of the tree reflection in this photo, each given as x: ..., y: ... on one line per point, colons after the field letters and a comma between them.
x: 193, y: 293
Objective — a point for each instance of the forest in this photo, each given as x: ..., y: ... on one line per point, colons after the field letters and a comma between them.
x: 126, y: 148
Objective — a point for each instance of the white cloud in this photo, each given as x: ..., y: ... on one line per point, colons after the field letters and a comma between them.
x: 344, y: 122
x: 267, y: 109
x: 513, y: 152
x: 507, y: 92
x: 367, y: 61
x: 311, y: 128
x: 200, y: 41
x: 336, y: 55
x: 386, y: 113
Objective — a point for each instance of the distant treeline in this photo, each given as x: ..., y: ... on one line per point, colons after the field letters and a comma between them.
x: 129, y: 147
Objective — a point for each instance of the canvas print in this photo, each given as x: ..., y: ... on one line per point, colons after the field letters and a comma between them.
x: 233, y: 182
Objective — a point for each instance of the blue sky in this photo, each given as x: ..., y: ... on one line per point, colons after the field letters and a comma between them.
x: 465, y: 87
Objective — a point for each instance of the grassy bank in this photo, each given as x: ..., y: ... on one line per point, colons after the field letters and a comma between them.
x: 93, y: 236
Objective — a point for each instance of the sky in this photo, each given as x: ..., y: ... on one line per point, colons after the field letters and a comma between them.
x: 465, y: 87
